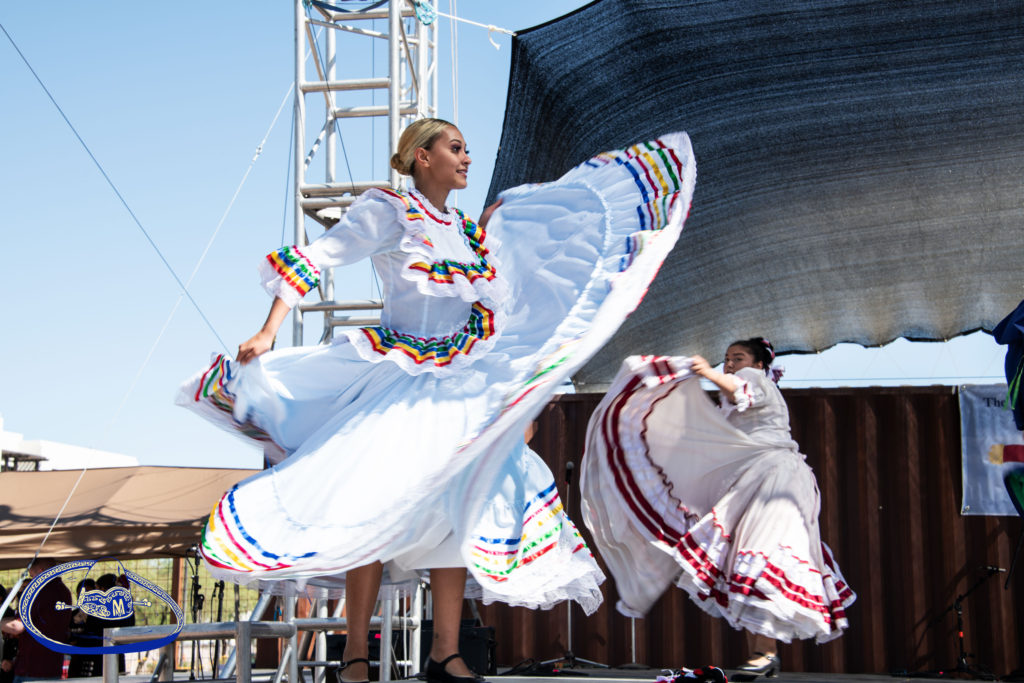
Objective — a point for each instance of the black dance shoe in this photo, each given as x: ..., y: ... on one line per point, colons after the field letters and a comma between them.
x: 345, y: 665
x: 436, y: 672
x: 748, y: 672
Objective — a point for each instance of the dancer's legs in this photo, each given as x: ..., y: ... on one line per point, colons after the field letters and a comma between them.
x: 763, y: 644
x: 361, y: 587
x: 448, y: 586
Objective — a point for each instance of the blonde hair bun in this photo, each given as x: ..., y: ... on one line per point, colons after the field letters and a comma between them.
x: 396, y: 163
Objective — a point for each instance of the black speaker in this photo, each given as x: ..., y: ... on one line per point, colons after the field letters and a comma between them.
x: 476, y: 645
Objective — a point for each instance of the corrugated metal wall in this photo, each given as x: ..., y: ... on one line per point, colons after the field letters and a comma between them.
x: 888, y: 466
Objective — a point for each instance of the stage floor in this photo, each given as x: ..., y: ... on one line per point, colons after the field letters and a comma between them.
x: 590, y: 675
x: 648, y: 676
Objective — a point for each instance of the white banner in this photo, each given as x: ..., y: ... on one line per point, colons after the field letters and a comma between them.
x: 991, y: 448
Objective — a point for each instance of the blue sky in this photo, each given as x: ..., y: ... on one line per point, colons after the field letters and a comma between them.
x: 173, y: 105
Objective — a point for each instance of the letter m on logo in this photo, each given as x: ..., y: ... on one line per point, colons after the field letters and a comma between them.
x: 118, y: 606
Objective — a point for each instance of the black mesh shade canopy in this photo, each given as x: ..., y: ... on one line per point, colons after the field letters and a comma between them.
x: 860, y: 164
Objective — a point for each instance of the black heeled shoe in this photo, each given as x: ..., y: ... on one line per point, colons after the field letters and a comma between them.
x: 748, y: 672
x: 436, y: 672
x: 345, y: 665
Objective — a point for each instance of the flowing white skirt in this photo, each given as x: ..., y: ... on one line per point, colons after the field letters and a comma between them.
x: 426, y: 471
x: 673, y: 493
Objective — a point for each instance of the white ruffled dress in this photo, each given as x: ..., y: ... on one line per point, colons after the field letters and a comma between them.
x: 404, y: 441
x: 717, y: 500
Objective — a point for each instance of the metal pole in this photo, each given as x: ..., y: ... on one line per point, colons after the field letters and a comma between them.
x: 433, y: 65
x: 218, y: 594
x: 387, y: 611
x: 415, y: 654
x: 286, y: 658
x: 632, y: 646
x: 293, y: 640
x: 110, y: 667
x: 321, y: 642
x: 243, y: 644
x: 395, y: 86
x: 300, y: 148
x: 330, y: 155
x: 257, y: 613
x: 167, y: 657
x: 331, y: 68
x: 422, y: 48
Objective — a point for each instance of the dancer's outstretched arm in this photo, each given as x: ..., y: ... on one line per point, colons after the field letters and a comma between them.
x: 263, y: 341
x: 726, y: 383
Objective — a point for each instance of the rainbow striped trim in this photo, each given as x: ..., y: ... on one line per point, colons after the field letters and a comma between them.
x: 295, y: 269
x: 543, y: 523
x: 635, y: 244
x: 439, y: 351
x: 226, y: 544
x: 213, y: 388
x: 413, y: 212
x: 444, y: 271
x: 213, y: 384
x: 657, y: 172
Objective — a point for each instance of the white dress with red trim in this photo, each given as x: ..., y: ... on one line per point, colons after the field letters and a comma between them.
x: 403, y: 442
x: 718, y: 501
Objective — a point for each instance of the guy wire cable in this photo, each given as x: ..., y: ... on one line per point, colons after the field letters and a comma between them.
x: 184, y: 289
x: 455, y: 60
x: 183, y: 286
x: 113, y: 187
x: 288, y: 178
x: 199, y: 263
x: 373, y: 144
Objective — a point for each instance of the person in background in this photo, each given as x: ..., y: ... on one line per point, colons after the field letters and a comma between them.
x: 35, y: 660
x: 8, y: 645
x: 82, y: 666
x: 1010, y: 333
x: 94, y: 626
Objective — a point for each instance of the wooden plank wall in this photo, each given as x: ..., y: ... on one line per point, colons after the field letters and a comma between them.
x: 888, y: 466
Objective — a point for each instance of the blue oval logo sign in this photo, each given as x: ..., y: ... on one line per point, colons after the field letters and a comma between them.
x: 115, y: 603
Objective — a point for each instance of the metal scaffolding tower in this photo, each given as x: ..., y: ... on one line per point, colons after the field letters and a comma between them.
x: 326, y: 31
x: 329, y: 31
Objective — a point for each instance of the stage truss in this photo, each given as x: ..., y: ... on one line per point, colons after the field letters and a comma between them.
x: 343, y: 87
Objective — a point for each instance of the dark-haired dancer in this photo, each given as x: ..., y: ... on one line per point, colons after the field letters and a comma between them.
x: 717, y: 500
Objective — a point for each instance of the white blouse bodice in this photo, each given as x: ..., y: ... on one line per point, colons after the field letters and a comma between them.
x: 759, y: 410
x: 444, y: 300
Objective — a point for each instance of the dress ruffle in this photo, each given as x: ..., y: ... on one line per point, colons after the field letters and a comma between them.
x: 470, y: 281
x: 385, y: 463
x: 673, y: 493
x: 443, y: 355
x: 763, y: 589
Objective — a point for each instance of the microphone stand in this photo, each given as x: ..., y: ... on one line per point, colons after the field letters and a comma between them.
x: 218, y: 595
x: 569, y: 657
x: 962, y: 668
x: 196, y: 604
